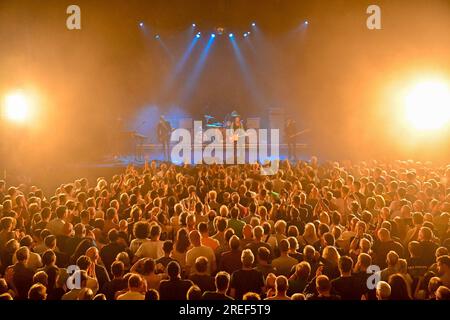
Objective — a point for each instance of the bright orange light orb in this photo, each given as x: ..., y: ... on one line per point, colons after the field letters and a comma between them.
x: 427, y: 105
x: 17, y: 107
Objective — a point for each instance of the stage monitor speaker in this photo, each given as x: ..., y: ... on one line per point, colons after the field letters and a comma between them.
x: 253, y: 123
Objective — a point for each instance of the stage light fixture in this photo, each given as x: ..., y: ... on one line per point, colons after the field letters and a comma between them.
x: 198, y: 35
x: 17, y: 107
x: 231, y: 35
x: 141, y: 24
x: 213, y: 35
x: 157, y: 37
x: 194, y: 25
x: 220, y: 30
x: 253, y: 24
x: 306, y: 22
x: 427, y: 105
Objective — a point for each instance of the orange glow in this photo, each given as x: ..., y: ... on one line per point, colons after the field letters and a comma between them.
x: 17, y: 107
x: 427, y: 105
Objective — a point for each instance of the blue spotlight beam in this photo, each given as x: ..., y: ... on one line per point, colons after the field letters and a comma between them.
x: 165, y: 48
x: 246, y: 73
x: 180, y: 65
x: 193, y: 78
x: 300, y: 30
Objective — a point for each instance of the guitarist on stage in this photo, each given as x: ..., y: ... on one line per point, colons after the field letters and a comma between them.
x: 290, y: 130
x: 236, y: 125
x: 164, y: 131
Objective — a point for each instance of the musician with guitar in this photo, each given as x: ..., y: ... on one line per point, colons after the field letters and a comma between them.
x: 290, y: 130
x: 236, y: 125
x: 164, y: 130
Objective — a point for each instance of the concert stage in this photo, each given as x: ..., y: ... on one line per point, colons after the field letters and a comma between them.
x: 150, y: 152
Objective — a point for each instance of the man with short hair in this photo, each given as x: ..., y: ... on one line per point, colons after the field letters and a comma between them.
x: 221, y: 226
x: 281, y: 288
x: 118, y: 283
x: 136, y: 289
x: 323, y: 287
x: 61, y: 258
x: 284, y: 263
x: 383, y: 290
x: 222, y: 282
x: 360, y: 272
x: 427, y: 246
x: 166, y: 259
x: 56, y: 225
x: 109, y: 252
x: 443, y: 264
x: 247, y: 236
x: 152, y: 248
x: 45, y: 218
x: 263, y: 265
x: 235, y: 223
x: 416, y: 266
x: 65, y: 240
x: 85, y: 264
x: 111, y: 220
x: 199, y: 250
x: 391, y: 261
x: 383, y: 245
x: 200, y: 276
x: 247, y: 279
x: 34, y: 261
x: 175, y: 288
x: 347, y: 286
x: 206, y: 239
x: 230, y: 261
x: 19, y: 276
x: 258, y: 233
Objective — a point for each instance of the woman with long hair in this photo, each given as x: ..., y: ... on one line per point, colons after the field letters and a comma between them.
x: 6, y: 257
x: 54, y: 292
x: 330, y: 259
x: 182, y: 245
x: 399, y: 287
x: 310, y: 234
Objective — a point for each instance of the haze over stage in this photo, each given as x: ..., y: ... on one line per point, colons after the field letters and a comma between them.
x: 315, y: 62
x: 225, y: 150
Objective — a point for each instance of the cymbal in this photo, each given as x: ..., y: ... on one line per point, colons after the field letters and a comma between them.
x: 215, y: 125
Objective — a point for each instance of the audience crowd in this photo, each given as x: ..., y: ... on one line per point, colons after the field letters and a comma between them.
x: 313, y: 231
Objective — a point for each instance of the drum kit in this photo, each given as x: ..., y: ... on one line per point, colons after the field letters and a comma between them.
x: 225, y: 124
x: 212, y: 123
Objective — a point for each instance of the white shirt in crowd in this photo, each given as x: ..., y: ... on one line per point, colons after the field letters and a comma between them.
x: 150, y: 249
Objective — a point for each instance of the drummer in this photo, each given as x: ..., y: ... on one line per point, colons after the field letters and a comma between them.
x: 230, y: 118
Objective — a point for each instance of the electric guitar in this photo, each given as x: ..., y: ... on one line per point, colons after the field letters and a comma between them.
x: 299, y: 133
